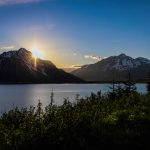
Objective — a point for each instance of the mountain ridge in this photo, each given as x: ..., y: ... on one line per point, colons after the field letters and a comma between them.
x: 115, y: 68
x: 20, y: 67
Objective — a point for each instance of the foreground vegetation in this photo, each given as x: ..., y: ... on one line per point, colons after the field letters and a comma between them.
x: 119, y: 119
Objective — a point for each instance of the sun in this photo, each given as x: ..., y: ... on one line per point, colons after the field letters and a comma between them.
x: 37, y: 53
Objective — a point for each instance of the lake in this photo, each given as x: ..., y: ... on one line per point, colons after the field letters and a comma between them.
x: 29, y: 94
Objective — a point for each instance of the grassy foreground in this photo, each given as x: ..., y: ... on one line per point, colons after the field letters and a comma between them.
x: 116, y: 120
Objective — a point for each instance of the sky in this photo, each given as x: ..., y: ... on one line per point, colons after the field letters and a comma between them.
x: 76, y: 32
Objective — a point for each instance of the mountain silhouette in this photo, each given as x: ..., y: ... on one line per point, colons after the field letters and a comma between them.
x: 115, y: 68
x: 20, y: 67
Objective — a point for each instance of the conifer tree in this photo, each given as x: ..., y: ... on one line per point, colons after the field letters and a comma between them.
x: 148, y: 85
x: 129, y: 85
x: 39, y: 110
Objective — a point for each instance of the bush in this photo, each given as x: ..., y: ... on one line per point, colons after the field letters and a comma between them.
x: 96, y: 122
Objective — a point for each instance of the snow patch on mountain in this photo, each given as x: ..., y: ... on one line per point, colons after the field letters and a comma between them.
x: 123, y: 62
x: 23, y: 54
x: 43, y: 72
x: 9, y: 54
x: 143, y: 60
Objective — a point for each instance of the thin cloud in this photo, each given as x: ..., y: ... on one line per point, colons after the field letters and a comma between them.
x: 12, y: 2
x: 94, y: 57
x: 76, y: 66
x: 74, y: 54
x: 7, y: 47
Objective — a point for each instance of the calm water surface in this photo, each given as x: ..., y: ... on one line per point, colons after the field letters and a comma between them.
x: 26, y: 95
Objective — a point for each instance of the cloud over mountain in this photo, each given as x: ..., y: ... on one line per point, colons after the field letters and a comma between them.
x: 98, y: 58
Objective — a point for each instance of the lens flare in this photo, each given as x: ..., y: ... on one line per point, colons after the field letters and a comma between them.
x: 37, y: 53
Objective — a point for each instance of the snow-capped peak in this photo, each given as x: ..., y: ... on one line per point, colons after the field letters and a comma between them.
x: 21, y: 52
x: 9, y: 54
x: 143, y: 60
x: 122, y: 55
x: 124, y: 62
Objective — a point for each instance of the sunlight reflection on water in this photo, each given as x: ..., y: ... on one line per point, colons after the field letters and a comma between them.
x: 29, y: 94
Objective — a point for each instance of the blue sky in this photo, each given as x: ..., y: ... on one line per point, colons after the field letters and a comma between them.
x: 76, y: 32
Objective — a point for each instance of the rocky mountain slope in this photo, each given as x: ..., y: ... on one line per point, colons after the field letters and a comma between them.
x: 115, y: 68
x: 20, y: 67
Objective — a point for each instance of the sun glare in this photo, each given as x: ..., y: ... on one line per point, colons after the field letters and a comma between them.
x: 37, y: 53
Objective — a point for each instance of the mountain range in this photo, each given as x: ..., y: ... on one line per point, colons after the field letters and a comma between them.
x: 20, y: 67
x: 115, y: 68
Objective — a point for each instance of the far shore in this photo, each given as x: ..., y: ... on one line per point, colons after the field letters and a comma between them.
x: 86, y: 82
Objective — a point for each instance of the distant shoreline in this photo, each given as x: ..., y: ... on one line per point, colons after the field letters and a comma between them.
x: 86, y: 82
